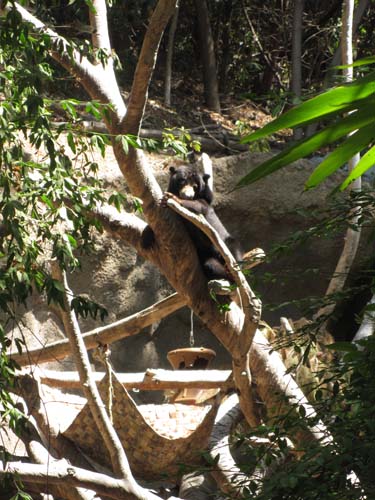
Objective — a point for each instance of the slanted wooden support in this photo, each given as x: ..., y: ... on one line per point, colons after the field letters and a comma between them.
x: 151, y: 380
x: 104, y: 335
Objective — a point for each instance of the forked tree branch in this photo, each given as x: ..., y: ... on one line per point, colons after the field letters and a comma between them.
x: 118, y: 457
x: 62, y: 472
x: 40, y: 455
x: 251, y: 307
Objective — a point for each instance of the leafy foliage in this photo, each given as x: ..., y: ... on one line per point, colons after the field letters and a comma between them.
x: 345, y: 403
x: 357, y: 99
x: 46, y: 195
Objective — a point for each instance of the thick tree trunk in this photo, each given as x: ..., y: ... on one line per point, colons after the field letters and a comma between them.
x: 206, y: 43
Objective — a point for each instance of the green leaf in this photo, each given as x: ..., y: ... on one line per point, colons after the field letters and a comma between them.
x: 342, y: 347
x: 58, y: 285
x: 125, y: 144
x: 360, y: 62
x: 307, y: 146
x: 342, y: 154
x: 367, y: 161
x: 71, y: 142
x: 336, y: 100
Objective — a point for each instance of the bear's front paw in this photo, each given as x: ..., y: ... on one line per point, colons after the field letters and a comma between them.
x: 168, y: 196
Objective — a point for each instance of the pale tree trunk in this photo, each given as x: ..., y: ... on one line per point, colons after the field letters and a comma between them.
x: 358, y: 13
x: 206, y: 43
x: 296, y: 80
x: 352, y: 236
x: 169, y: 58
x: 329, y: 79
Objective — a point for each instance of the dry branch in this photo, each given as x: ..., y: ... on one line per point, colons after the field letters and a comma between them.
x: 104, y: 335
x: 61, y: 472
x: 145, y: 67
x: 219, y: 140
x: 28, y: 387
x: 251, y: 305
x: 227, y: 475
x: 118, y: 457
x: 39, y: 454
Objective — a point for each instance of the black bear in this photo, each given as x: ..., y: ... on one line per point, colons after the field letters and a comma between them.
x: 192, y: 191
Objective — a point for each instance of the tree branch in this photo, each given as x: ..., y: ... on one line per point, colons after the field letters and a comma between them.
x: 29, y: 388
x: 118, y: 457
x: 251, y: 308
x: 118, y: 330
x: 251, y: 305
x: 40, y: 455
x: 151, y: 380
x: 228, y: 476
x: 61, y: 472
x: 99, y: 25
x: 146, y: 63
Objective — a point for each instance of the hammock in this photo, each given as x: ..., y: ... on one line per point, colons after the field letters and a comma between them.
x: 158, y: 439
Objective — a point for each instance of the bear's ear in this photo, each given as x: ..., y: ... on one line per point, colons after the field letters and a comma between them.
x: 172, y: 170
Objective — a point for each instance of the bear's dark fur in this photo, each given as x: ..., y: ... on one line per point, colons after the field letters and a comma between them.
x: 189, y: 188
x: 192, y: 191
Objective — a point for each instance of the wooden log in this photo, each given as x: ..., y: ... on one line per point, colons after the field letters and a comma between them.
x: 104, y: 335
x: 151, y: 380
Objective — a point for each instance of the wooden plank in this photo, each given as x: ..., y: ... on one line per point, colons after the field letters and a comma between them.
x: 157, y: 379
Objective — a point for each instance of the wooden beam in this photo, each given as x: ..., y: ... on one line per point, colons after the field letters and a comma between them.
x: 104, y: 335
x: 151, y: 380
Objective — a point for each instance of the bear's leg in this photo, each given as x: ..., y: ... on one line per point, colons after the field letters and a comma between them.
x: 215, y: 270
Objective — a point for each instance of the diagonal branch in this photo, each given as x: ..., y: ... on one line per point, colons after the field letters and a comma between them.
x: 99, y: 26
x: 251, y: 307
x: 118, y: 457
x: 104, y: 335
x: 39, y: 454
x: 146, y: 63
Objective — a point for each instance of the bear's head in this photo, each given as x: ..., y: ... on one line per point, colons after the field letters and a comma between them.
x: 187, y: 183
